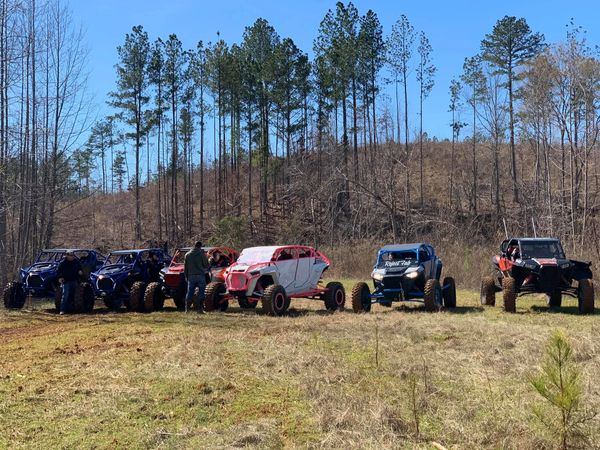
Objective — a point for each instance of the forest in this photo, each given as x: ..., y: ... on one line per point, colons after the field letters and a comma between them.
x: 259, y: 141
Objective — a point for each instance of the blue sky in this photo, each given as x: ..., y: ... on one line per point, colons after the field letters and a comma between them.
x: 455, y: 29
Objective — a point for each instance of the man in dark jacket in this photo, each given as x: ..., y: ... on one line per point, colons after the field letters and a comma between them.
x: 69, y: 270
x: 195, y: 268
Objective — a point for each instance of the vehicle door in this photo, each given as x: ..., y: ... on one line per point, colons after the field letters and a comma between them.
x: 286, y: 260
x: 141, y: 265
x: 306, y: 259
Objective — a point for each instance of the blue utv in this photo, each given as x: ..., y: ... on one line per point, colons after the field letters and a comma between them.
x: 40, y: 279
x: 132, y: 278
x: 407, y: 272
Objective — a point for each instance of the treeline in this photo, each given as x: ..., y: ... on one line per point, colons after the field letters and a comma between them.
x: 258, y: 140
x: 44, y: 110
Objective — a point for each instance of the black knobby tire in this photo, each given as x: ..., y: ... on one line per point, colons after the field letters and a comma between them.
x: 275, y: 301
x: 432, y: 295
x: 14, y: 296
x: 136, y: 296
x: 487, y: 297
x: 83, y: 299
x: 361, y: 298
x: 154, y: 299
x: 509, y: 294
x: 449, y: 292
x: 246, y: 304
x: 585, y: 296
x: 213, y: 297
x: 554, y: 299
x: 58, y: 291
x: 335, y: 296
x: 180, y: 294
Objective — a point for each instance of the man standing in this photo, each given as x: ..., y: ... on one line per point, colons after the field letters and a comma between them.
x: 195, y: 268
x: 69, y: 270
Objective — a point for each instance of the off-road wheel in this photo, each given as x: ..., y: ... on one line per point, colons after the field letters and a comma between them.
x: 449, y: 292
x: 14, y: 296
x: 275, y: 301
x: 487, y: 297
x: 246, y: 304
x: 335, y: 296
x: 554, y: 300
x: 432, y: 296
x: 58, y: 291
x: 83, y: 299
x: 361, y: 298
x: 112, y: 303
x: 213, y: 300
x: 154, y: 299
x: 585, y: 296
x: 136, y: 296
x: 509, y: 294
x: 180, y: 293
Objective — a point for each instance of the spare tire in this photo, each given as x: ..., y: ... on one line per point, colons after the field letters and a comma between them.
x: 14, y: 295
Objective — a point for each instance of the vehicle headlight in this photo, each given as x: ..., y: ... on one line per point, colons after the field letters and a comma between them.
x: 378, y: 275
x: 412, y: 275
x: 565, y: 265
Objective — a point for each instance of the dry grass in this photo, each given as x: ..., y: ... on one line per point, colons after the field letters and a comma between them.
x: 241, y: 379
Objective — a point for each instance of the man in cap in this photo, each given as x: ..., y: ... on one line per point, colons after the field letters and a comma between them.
x: 195, y: 268
x: 69, y: 270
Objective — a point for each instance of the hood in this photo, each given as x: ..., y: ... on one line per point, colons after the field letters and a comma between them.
x: 41, y: 267
x: 114, y: 269
x: 242, y: 267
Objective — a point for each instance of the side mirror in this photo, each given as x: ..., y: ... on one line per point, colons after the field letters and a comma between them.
x: 504, y: 246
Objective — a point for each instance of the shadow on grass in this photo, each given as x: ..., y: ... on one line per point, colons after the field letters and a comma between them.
x: 570, y: 310
x: 456, y: 310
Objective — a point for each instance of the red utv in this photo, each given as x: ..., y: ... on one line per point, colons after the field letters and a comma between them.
x: 173, y: 281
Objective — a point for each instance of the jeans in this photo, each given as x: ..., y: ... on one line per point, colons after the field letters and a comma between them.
x: 195, y: 281
x: 67, y: 296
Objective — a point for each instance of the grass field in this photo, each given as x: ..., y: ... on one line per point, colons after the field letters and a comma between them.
x: 311, y: 379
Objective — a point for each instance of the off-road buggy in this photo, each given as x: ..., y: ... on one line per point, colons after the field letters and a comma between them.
x: 408, y: 272
x: 173, y: 280
x: 40, y: 280
x: 274, y: 275
x: 537, y: 266
x: 132, y: 278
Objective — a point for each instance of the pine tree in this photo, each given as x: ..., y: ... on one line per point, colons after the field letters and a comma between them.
x: 131, y: 98
x: 510, y: 44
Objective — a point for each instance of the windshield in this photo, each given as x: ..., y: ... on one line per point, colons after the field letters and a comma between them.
x: 255, y: 255
x: 49, y: 257
x: 120, y: 258
x: 541, y: 249
x: 396, y: 259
